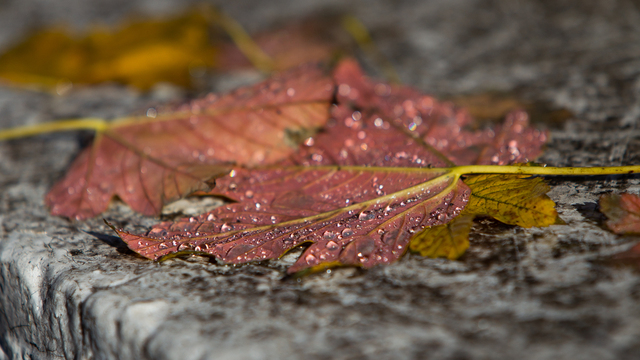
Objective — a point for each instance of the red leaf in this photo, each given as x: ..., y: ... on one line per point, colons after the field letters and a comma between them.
x: 358, y: 191
x: 623, y: 211
x: 148, y: 162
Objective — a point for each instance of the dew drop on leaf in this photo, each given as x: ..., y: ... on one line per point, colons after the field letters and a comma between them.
x: 311, y: 259
x: 309, y: 141
x: 226, y: 227
x: 347, y: 232
x: 329, y: 235
x: 366, y: 215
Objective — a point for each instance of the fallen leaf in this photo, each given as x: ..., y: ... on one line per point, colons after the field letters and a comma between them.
x: 137, y: 53
x: 358, y: 191
x: 148, y: 161
x: 623, y: 212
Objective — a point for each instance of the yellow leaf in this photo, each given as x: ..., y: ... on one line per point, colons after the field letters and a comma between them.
x: 450, y: 240
x: 139, y: 54
x: 512, y: 199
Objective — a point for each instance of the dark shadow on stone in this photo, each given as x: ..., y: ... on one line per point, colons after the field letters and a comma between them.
x: 591, y: 212
x: 112, y: 241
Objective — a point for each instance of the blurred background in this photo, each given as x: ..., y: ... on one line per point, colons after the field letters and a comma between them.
x: 534, y: 293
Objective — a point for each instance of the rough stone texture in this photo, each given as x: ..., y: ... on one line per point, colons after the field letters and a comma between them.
x: 69, y: 290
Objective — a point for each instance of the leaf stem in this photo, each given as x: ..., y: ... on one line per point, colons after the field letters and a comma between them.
x: 243, y: 41
x: 361, y: 35
x: 96, y: 124
x: 539, y: 170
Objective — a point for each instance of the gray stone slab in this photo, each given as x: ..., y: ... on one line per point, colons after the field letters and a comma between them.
x: 68, y: 290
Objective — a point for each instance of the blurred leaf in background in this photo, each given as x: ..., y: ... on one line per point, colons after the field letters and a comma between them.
x: 137, y: 53
x: 178, y: 50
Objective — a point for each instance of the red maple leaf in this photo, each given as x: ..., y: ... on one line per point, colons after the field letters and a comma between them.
x: 358, y: 191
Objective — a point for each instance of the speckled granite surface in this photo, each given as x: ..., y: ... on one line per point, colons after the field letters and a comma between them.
x: 68, y: 290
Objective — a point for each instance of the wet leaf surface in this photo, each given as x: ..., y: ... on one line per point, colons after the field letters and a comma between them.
x: 359, y: 190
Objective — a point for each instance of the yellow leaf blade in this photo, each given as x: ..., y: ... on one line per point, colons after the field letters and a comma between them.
x: 450, y: 240
x: 512, y: 199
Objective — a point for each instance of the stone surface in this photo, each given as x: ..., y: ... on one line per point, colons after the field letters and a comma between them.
x: 70, y: 290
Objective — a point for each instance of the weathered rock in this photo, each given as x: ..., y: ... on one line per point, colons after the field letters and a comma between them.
x: 70, y: 290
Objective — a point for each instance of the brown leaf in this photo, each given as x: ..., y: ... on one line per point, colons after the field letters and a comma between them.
x: 149, y: 161
x: 358, y: 191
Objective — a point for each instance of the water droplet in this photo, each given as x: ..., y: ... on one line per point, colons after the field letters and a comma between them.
x: 332, y: 245
x: 162, y: 246
x: 311, y: 259
x: 344, y: 89
x: 382, y: 89
x: 192, y: 219
x: 362, y: 135
x: 152, y: 113
x: 273, y: 219
x: 71, y: 190
x: 329, y: 235
x: 378, y: 122
x: 413, y: 126
x: 309, y: 141
x: 211, y: 217
x: 366, y: 215
x: 232, y: 173
x: 356, y: 116
x: 258, y: 206
x: 347, y: 232
x: 401, y: 155
x: 316, y: 157
x: 248, y: 194
x: 226, y: 227
x: 183, y: 247
x: 291, y: 91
